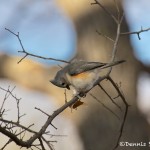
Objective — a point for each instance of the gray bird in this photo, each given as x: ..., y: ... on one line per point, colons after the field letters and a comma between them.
x: 81, y: 75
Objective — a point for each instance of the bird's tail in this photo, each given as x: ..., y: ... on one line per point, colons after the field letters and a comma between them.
x: 113, y: 64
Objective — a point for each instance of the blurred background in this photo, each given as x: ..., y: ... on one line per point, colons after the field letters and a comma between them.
x: 65, y: 29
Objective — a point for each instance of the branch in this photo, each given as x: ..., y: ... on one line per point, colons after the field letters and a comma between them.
x: 51, y: 118
x: 41, y: 57
x: 107, y: 108
x: 19, y: 125
x: 37, y: 135
x: 48, y: 143
x: 42, y: 111
x: 29, y: 54
x: 109, y: 97
x: 136, y: 32
x: 105, y: 36
x: 65, y: 93
x: 114, y: 51
x: 8, y: 93
x: 125, y: 113
x: 41, y: 143
x: 117, y: 8
x: 96, y: 2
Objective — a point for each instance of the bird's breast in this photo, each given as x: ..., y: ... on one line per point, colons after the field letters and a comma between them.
x: 83, y: 81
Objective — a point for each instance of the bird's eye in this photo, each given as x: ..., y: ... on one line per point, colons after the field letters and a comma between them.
x: 63, y: 84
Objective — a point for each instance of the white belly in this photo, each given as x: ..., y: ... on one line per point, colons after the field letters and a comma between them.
x: 84, y: 81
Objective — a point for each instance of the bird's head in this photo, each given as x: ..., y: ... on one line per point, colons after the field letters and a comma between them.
x: 60, y: 81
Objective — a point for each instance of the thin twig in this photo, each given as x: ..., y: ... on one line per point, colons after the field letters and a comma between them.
x: 18, y: 110
x: 46, y: 115
x: 48, y: 143
x: 53, y: 126
x: 6, y: 96
x: 125, y: 113
x: 17, y: 35
x: 29, y: 54
x: 51, y: 118
x: 109, y: 96
x: 41, y: 57
x: 41, y: 143
x: 19, y: 125
x: 22, y: 58
x: 9, y: 141
x: 107, y: 108
x: 65, y: 96
x: 10, y: 93
x: 42, y: 111
x: 117, y: 8
x: 114, y: 51
x: 107, y: 12
x: 105, y: 36
x: 136, y: 32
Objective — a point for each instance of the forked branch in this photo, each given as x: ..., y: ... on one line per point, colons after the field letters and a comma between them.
x: 30, y: 54
x: 96, y: 2
x: 136, y: 32
x: 120, y: 94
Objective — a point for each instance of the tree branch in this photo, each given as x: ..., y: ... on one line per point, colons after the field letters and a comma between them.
x: 29, y: 54
x: 125, y: 113
x: 107, y: 108
x: 96, y: 2
x: 114, y: 51
x: 109, y: 96
x: 105, y: 36
x: 136, y: 32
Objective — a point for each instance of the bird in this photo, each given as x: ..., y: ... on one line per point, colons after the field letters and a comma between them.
x: 81, y: 75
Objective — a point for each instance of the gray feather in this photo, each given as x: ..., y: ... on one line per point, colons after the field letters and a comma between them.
x: 82, y: 66
x: 77, y: 67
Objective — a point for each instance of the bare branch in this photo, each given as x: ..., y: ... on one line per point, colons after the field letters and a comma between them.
x: 48, y: 143
x: 41, y: 57
x: 117, y: 8
x: 18, y: 110
x: 109, y: 96
x: 114, y: 51
x: 125, y: 113
x: 22, y: 57
x: 105, y: 36
x: 18, y: 125
x: 7, y: 127
x: 65, y: 96
x: 42, y: 111
x: 41, y: 143
x: 94, y: 97
x: 29, y: 54
x: 53, y: 126
x: 17, y: 35
x: 9, y: 141
x: 8, y: 93
x: 96, y: 2
x: 136, y: 32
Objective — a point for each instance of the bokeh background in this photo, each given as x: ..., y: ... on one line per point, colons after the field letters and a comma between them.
x: 65, y: 29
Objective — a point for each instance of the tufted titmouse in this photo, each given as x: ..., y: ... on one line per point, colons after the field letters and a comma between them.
x: 81, y: 75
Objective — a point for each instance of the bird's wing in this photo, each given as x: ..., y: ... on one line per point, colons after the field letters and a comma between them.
x: 82, y: 66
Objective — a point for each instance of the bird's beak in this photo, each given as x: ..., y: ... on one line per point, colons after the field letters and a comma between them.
x: 68, y: 87
x: 53, y: 82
